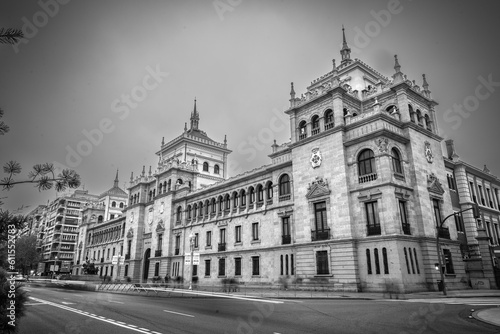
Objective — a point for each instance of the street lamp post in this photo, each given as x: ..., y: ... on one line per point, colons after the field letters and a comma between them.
x: 191, y: 246
x: 475, y: 209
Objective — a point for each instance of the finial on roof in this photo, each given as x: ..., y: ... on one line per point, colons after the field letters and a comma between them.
x: 143, y: 170
x: 225, y: 139
x: 333, y: 64
x: 195, y: 117
x: 185, y: 126
x: 162, y: 141
x: 345, y: 52
x: 397, y: 67
x: 131, y: 176
x: 116, y: 179
x: 292, y: 91
x: 485, y: 169
x: 149, y: 171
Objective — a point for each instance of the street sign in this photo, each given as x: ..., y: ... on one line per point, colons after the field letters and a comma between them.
x: 122, y: 260
x: 114, y: 261
x: 196, y: 258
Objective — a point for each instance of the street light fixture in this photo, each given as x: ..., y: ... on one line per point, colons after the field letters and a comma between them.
x: 191, y: 246
x: 476, y: 213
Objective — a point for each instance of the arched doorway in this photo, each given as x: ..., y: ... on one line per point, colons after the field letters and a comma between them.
x: 147, y: 255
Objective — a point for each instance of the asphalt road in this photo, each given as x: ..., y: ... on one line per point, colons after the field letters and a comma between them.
x: 71, y: 311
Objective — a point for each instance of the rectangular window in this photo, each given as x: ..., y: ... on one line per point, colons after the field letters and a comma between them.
x: 196, y: 240
x: 490, y: 202
x: 129, y: 247
x: 320, y: 216
x: 255, y: 231
x: 322, y: 263
x: 437, y: 211
x: 222, y: 235
x: 292, y: 268
x: 372, y: 221
x: 404, y: 217
x: 207, y: 267
x: 472, y: 192
x: 237, y: 266
x: 368, y: 261
x: 160, y: 241
x: 480, y: 193
x: 448, y: 262
x: 255, y: 266
x: 209, y: 238
x: 237, y: 233
x: 177, y: 244
x: 285, y: 231
x: 459, y: 224
x: 377, y: 262
x: 107, y: 257
x: 496, y: 198
x: 386, y: 262
x: 222, y: 267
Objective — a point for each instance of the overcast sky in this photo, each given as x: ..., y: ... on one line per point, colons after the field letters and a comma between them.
x: 131, y: 69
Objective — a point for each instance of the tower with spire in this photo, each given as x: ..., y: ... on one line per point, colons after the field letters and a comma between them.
x: 345, y: 52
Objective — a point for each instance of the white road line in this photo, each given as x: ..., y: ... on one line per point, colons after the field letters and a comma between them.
x: 93, y: 316
x: 31, y: 304
x: 186, y: 315
x: 67, y: 303
x: 112, y: 301
x: 216, y: 294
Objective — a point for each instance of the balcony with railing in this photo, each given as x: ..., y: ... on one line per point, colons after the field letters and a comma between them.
x: 157, y: 252
x: 286, y: 239
x: 374, y: 230
x: 283, y: 198
x: 260, y: 204
x: 329, y: 126
x: 269, y: 201
x: 320, y: 234
x: 302, y: 136
x: 315, y: 131
x: 221, y: 247
x: 367, y: 178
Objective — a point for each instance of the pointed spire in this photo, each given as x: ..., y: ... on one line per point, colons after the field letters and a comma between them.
x: 162, y: 141
x: 116, y: 180
x: 195, y: 117
x: 131, y: 176
x: 334, y: 66
x: 425, y: 85
x: 398, y: 77
x: 346, y: 51
x: 292, y: 92
x: 225, y: 139
x: 185, y: 127
x: 143, y: 170
x: 149, y: 171
x: 335, y: 78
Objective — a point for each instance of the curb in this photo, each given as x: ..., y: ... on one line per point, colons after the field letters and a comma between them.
x: 477, y: 317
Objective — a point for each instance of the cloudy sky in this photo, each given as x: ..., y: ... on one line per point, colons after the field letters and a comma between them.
x: 125, y: 73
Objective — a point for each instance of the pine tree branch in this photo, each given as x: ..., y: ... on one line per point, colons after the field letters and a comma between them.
x: 10, y: 35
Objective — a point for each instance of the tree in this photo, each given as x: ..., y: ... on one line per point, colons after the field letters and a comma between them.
x: 26, y: 255
x: 10, y: 35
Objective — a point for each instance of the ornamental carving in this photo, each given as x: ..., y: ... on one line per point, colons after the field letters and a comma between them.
x: 317, y: 188
x: 130, y: 233
x: 160, y: 226
x: 428, y: 152
x: 433, y: 184
x: 382, y: 144
x: 316, y: 158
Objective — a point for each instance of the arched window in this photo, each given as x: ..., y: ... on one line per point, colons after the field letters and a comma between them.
x: 214, y: 205
x: 302, y: 130
x: 165, y: 186
x: 99, y: 219
x: 221, y: 204
x: 160, y: 188
x: 169, y: 185
x: 121, y: 205
x: 328, y: 119
x: 315, y: 124
x: 390, y: 108
x: 205, y: 166
x: 284, y: 185
x: 179, y: 181
x: 427, y: 122
x: 412, y: 114
x: 419, y: 118
x: 346, y: 112
x: 366, y: 163
x: 260, y: 193
x: 200, y: 209
x: 216, y: 169
x: 251, y: 192
x: 243, y: 196
x: 179, y: 214
x: 195, y: 209
x: 207, y: 204
x: 227, y: 202
x: 269, y: 190
x: 235, y: 200
x: 113, y: 204
x: 396, y: 162
x: 189, y: 212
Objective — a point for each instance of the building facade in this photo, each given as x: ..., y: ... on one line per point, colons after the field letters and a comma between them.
x: 353, y: 199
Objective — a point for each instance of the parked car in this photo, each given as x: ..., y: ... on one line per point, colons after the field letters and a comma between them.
x: 20, y: 278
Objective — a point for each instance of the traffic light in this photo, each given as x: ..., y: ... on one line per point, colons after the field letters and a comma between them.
x: 475, y: 211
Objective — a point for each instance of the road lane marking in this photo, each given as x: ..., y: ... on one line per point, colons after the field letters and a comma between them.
x: 186, y: 315
x: 112, y: 301
x: 216, y: 294
x: 93, y: 316
x: 67, y: 303
x: 31, y: 304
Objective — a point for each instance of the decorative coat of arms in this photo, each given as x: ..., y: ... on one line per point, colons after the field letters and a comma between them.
x: 382, y: 144
x: 316, y: 158
x: 428, y: 152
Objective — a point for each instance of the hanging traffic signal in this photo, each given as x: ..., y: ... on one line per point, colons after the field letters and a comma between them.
x: 475, y: 211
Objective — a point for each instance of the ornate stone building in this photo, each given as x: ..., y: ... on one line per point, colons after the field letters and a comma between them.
x: 353, y: 199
